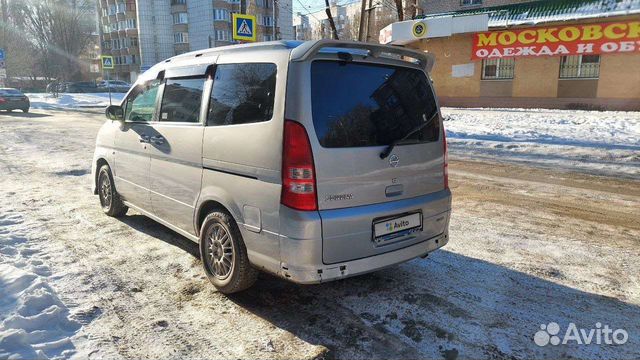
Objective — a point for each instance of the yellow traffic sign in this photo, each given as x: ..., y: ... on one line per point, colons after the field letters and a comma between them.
x: 244, y: 27
x: 107, y: 62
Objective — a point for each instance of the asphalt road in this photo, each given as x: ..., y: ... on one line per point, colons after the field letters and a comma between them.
x: 528, y: 247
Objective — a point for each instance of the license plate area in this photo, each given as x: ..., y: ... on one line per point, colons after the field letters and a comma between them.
x: 395, y: 228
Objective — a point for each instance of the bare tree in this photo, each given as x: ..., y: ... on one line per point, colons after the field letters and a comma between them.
x: 59, y: 31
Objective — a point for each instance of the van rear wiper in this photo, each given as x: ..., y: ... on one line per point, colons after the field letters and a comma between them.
x: 390, y: 147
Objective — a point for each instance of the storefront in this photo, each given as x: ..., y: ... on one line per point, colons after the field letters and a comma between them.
x: 529, y: 55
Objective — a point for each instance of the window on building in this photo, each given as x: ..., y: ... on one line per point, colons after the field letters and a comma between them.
x: 221, y: 15
x: 264, y: 3
x: 131, y: 5
x: 113, y: 9
x: 242, y: 93
x: 267, y: 20
x: 580, y: 66
x: 267, y: 37
x: 178, y: 2
x: 121, y: 7
x: 501, y: 68
x: 134, y: 41
x: 131, y: 24
x: 181, y: 100
x: 141, y: 103
x: 181, y: 37
x: 222, y: 35
x: 113, y: 27
x: 233, y: 1
x: 470, y: 2
x: 180, y: 18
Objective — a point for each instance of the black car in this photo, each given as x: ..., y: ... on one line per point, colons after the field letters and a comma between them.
x: 80, y: 87
x: 13, y: 99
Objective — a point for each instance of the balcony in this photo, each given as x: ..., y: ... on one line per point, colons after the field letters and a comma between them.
x: 176, y: 8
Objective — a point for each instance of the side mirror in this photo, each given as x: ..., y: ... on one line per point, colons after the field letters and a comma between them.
x: 114, y: 112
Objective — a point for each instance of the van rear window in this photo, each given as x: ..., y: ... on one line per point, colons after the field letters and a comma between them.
x: 358, y: 105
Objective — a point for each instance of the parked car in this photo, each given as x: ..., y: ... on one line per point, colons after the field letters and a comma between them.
x: 13, y: 99
x: 80, y: 87
x: 312, y: 161
x: 115, y: 85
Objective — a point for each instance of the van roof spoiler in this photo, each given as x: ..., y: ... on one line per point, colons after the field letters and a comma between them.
x: 309, y: 49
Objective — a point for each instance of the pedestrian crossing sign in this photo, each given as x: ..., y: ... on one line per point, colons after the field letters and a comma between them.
x: 107, y: 62
x: 244, y: 27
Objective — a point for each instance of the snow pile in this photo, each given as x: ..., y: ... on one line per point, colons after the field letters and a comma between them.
x: 34, y: 322
x: 603, y: 142
x: 71, y: 101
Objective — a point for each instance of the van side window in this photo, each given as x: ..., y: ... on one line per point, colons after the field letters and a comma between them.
x: 142, y: 102
x: 181, y: 100
x: 242, y: 93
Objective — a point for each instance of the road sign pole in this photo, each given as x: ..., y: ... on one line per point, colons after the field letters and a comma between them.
x: 109, y: 87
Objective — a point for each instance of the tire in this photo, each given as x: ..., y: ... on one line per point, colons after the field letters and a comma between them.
x: 25, y: 110
x: 224, y: 257
x: 109, y: 199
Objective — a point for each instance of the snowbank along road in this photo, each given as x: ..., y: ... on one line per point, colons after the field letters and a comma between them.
x: 529, y: 247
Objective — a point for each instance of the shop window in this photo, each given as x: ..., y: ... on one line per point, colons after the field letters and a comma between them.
x: 580, y: 66
x: 470, y: 2
x: 501, y: 68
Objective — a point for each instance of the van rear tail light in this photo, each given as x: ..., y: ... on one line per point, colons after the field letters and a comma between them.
x: 446, y: 158
x: 298, y: 171
x: 2, y: 100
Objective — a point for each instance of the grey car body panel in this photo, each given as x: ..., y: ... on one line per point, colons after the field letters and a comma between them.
x: 238, y: 167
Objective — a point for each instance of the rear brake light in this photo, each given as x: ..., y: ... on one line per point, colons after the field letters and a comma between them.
x: 298, y: 171
x: 446, y: 158
x: 2, y: 100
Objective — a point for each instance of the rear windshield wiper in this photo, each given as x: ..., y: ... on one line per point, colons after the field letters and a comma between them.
x: 390, y: 147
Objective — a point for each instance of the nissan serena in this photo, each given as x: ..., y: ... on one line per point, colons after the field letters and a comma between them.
x: 313, y: 161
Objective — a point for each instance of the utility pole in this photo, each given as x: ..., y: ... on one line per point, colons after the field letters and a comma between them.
x: 361, y: 25
x: 331, y: 22
x: 366, y: 39
x: 399, y: 10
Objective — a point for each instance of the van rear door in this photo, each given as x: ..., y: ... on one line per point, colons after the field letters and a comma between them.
x: 358, y: 110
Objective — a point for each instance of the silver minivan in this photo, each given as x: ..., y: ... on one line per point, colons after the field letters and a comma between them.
x: 313, y: 161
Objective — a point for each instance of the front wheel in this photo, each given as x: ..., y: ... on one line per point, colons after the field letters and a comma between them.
x: 224, y: 255
x: 109, y: 199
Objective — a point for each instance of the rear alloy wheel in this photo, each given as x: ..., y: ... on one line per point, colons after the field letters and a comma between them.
x: 224, y: 255
x: 109, y: 199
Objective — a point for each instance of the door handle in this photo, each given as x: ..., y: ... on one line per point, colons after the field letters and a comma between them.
x: 143, y: 138
x: 158, y: 140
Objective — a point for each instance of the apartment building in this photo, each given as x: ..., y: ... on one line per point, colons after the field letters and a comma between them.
x: 141, y: 33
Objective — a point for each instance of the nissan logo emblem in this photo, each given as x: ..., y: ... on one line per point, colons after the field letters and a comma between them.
x: 394, y: 160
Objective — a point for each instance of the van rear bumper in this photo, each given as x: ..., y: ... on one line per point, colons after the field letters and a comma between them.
x: 314, y: 274
x: 303, y: 244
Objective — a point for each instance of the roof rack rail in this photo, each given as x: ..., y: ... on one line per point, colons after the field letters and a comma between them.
x: 310, y: 49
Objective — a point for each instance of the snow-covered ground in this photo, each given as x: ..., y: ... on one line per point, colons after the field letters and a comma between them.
x: 601, y: 142
x: 72, y: 101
